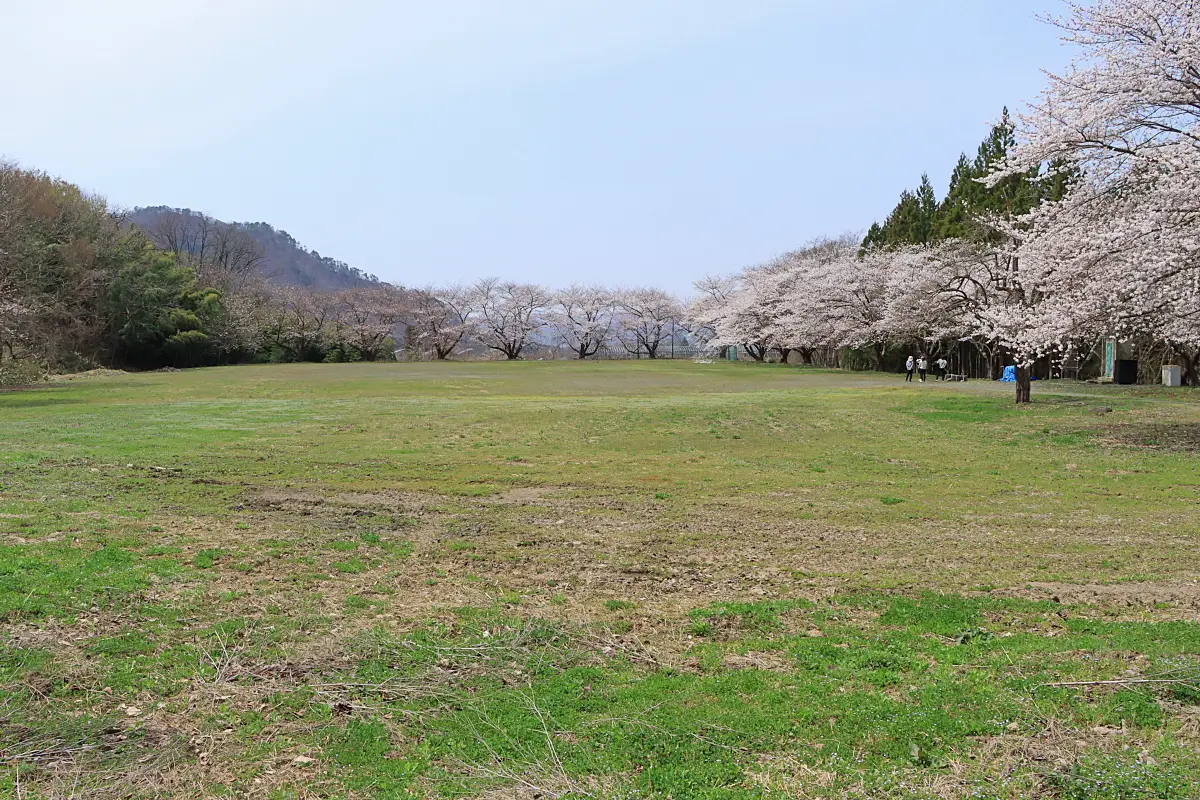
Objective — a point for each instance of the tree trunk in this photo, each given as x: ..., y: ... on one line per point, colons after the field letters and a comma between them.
x: 878, y: 348
x: 1023, y: 383
x: 806, y: 355
x: 784, y: 352
x: 1187, y: 364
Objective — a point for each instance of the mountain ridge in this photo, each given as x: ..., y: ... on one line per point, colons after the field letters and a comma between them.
x: 284, y: 260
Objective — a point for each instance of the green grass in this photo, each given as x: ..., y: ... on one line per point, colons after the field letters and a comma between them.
x: 610, y: 579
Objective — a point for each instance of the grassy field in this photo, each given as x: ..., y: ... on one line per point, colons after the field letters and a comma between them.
x: 612, y: 580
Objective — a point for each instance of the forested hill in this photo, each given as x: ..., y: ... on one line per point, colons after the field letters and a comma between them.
x: 280, y: 258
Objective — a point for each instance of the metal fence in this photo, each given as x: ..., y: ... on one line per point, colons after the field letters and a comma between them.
x: 667, y: 350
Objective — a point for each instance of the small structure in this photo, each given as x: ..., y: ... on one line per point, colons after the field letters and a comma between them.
x: 1172, y: 375
x: 1118, y: 361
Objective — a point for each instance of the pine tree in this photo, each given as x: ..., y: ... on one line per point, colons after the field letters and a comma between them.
x: 927, y: 206
x: 919, y: 218
x: 954, y: 219
x: 912, y: 221
x: 903, y: 224
x: 1015, y: 195
x: 874, y: 237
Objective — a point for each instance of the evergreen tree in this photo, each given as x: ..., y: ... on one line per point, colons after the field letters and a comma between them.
x: 912, y: 221
x: 954, y: 219
x: 903, y: 224
x: 919, y: 218
x: 1015, y: 195
x: 874, y: 237
x: 927, y: 209
x: 156, y: 313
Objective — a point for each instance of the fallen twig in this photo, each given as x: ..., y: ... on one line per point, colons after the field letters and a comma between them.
x: 1117, y: 682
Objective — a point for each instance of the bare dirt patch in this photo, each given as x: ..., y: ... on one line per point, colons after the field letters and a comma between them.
x: 1177, y: 436
x: 403, y: 501
x: 586, y: 550
x: 765, y: 661
x: 89, y: 374
x: 523, y: 494
x: 1054, y: 749
x: 1179, y: 595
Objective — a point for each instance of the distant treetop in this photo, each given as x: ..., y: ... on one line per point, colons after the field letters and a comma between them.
x: 284, y: 260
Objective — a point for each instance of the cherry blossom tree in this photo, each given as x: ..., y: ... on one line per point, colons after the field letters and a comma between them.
x: 702, y: 315
x: 508, y: 314
x: 786, y: 289
x: 733, y: 311
x: 840, y: 300
x: 824, y: 295
x: 441, y: 318
x: 946, y: 291
x: 245, y: 319
x: 366, y: 317
x: 301, y: 323
x: 1119, y: 253
x: 582, y: 318
x: 647, y: 318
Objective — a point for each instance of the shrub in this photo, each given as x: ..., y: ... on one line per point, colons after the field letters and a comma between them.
x: 22, y: 372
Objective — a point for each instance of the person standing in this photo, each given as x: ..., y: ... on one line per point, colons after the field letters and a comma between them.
x: 922, y: 367
x: 941, y: 368
x: 908, y: 369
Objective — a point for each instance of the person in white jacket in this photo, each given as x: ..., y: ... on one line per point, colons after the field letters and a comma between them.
x: 922, y: 367
x: 908, y: 367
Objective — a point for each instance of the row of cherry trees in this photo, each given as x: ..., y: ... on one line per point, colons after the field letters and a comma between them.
x: 505, y: 318
x: 1114, y: 252
x: 837, y: 294
x: 490, y: 317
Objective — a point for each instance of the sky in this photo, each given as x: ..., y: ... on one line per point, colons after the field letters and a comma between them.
x: 628, y: 142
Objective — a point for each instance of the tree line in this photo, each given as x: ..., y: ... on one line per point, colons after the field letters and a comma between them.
x: 81, y: 287
x: 1075, y: 222
x: 920, y: 282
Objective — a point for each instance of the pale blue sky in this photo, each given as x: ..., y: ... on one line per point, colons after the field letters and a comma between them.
x: 628, y: 141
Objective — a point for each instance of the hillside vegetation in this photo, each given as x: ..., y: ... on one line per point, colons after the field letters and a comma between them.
x: 282, y: 259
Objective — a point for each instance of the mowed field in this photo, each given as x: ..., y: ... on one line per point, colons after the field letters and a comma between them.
x: 626, y: 579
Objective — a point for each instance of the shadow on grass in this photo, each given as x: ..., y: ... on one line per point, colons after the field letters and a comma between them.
x: 35, y: 396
